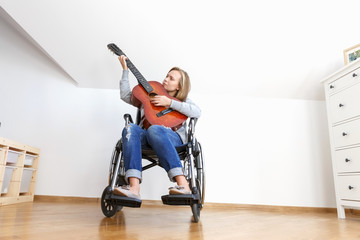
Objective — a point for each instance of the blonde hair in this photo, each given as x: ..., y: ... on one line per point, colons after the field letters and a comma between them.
x: 185, y: 84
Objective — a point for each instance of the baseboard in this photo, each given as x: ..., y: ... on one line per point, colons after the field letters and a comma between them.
x: 48, y: 198
x: 270, y: 208
x: 224, y: 206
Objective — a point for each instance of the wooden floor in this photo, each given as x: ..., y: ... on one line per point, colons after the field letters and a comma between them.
x: 61, y: 220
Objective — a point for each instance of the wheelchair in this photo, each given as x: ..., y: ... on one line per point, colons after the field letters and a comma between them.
x: 193, y: 167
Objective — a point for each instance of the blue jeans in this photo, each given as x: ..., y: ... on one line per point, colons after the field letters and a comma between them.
x: 161, y: 139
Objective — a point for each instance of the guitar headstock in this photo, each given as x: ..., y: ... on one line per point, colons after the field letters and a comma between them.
x: 115, y: 49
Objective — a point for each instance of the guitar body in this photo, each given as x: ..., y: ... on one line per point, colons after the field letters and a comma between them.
x: 140, y: 98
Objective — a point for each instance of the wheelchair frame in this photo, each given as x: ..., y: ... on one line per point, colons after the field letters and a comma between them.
x: 193, y: 168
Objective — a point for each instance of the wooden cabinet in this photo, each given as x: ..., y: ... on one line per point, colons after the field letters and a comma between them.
x: 18, y: 168
x: 342, y: 91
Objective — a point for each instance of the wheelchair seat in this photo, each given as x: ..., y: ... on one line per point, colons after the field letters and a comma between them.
x: 190, y: 154
x: 150, y: 155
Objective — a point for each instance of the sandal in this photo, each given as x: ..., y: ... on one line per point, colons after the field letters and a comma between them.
x: 178, y: 190
x: 125, y: 192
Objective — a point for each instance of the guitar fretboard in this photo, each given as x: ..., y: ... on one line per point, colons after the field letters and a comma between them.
x: 139, y: 77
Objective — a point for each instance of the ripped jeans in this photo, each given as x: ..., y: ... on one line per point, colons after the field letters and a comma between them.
x: 161, y: 139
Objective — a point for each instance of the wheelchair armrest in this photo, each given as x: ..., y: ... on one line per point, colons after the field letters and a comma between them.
x: 128, y: 118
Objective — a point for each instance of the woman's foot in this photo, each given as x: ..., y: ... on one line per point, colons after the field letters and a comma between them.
x: 182, y: 186
x: 126, y: 191
x: 179, y: 190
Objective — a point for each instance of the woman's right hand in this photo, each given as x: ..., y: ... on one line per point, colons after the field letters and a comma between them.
x: 122, y: 59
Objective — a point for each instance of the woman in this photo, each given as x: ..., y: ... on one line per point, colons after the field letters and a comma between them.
x: 161, y: 139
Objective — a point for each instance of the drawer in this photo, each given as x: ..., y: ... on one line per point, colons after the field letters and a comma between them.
x: 29, y: 159
x: 347, y: 80
x: 13, y: 156
x: 26, y: 179
x: 345, y: 104
x: 347, y: 160
x: 346, y: 134
x: 349, y: 187
x: 7, y: 178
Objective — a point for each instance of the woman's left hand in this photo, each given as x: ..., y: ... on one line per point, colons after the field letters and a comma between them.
x: 161, y: 101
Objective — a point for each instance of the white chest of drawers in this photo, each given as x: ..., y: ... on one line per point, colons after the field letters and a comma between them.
x: 342, y: 91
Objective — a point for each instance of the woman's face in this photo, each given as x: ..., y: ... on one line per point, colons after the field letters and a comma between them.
x: 171, y: 82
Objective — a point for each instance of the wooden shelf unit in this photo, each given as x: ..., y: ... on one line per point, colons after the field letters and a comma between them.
x: 21, y: 169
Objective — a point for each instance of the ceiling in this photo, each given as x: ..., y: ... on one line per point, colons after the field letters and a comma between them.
x: 262, y: 48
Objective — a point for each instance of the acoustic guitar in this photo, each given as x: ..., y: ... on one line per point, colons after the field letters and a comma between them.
x: 144, y: 91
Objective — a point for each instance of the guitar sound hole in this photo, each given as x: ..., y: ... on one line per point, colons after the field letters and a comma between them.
x: 151, y: 95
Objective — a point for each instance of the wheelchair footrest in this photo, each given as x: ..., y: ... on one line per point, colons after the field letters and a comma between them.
x: 188, y: 199
x: 127, y: 201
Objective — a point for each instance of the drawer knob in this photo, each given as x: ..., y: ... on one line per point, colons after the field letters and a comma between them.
x: 347, y: 160
x: 344, y: 134
x: 354, y: 75
x: 331, y: 86
x: 351, y: 187
x: 341, y: 105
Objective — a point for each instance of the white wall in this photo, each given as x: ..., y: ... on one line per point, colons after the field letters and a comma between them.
x: 252, y: 47
x: 257, y: 150
x: 75, y: 128
x: 275, y: 152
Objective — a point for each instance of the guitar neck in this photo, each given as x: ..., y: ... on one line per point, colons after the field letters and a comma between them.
x: 139, y: 77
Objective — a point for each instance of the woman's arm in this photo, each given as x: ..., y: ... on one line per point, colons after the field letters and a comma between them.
x: 125, y: 90
x: 187, y: 108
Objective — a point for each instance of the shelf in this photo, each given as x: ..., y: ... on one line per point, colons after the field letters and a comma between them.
x: 18, y: 168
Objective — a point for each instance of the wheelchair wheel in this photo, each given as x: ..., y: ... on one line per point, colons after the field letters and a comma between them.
x: 200, y: 183
x: 108, y: 206
x: 117, y: 156
x: 114, y: 158
x: 200, y: 174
